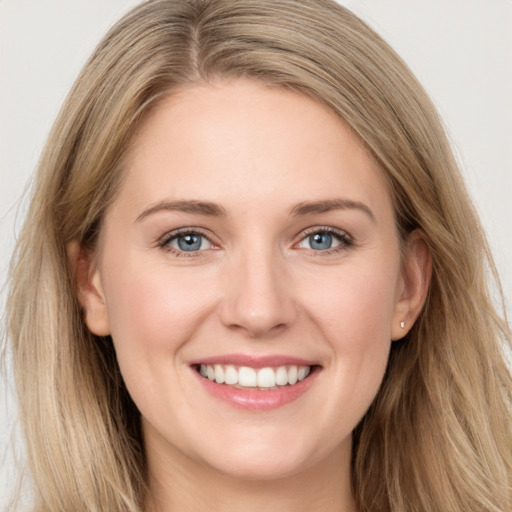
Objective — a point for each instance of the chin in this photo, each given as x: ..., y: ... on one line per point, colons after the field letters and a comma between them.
x: 276, y: 459
x: 261, y: 468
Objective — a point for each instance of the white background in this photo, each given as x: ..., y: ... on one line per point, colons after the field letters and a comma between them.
x: 461, y: 50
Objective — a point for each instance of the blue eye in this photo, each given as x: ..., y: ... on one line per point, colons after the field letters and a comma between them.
x: 320, y: 241
x: 323, y: 240
x: 189, y: 242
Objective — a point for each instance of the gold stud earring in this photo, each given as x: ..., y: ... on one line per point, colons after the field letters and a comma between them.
x: 402, y: 324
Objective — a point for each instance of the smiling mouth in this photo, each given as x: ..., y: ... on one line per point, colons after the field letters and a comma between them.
x: 256, y: 379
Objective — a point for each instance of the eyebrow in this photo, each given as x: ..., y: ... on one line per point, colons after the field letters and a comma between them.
x: 315, y: 207
x: 194, y: 207
x: 215, y: 210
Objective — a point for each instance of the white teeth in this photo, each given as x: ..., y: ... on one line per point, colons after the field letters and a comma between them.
x: 219, y: 374
x: 266, y: 378
x: 292, y: 375
x: 246, y: 376
x: 230, y: 375
x: 282, y: 376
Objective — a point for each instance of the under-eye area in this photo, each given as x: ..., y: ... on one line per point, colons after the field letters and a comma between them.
x: 257, y: 379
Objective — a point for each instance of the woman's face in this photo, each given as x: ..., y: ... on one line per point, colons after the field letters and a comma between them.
x: 252, y: 239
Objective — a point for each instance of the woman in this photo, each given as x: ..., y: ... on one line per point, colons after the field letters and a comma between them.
x: 251, y: 277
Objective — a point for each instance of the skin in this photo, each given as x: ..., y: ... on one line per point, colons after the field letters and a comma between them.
x: 257, y: 287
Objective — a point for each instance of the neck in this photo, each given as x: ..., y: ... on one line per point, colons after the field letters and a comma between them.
x: 179, y: 483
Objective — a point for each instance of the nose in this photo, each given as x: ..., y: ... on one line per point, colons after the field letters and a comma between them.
x: 258, y: 298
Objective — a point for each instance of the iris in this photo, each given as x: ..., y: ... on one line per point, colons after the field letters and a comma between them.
x: 320, y: 241
x: 189, y: 242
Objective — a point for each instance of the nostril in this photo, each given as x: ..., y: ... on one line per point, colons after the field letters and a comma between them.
x: 255, y: 330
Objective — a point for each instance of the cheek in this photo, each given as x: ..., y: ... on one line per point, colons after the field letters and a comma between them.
x: 153, y: 311
x: 353, y: 302
x: 152, y: 314
x: 353, y: 310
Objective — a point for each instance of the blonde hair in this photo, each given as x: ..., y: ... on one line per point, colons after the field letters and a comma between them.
x: 438, y: 435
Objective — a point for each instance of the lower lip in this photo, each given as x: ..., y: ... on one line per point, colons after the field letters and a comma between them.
x: 255, y: 400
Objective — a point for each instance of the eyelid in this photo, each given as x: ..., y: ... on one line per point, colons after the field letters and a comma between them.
x: 324, y: 229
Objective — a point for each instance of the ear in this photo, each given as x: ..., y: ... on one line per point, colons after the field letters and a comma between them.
x: 89, y: 288
x: 413, y: 286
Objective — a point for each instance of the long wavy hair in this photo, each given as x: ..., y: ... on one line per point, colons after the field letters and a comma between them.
x: 437, y: 436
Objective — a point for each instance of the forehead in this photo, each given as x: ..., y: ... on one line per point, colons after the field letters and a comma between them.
x: 242, y: 141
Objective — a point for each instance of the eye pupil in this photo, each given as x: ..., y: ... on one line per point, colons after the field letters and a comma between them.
x: 189, y: 242
x: 320, y: 241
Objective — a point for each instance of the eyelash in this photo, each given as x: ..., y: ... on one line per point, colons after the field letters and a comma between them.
x: 344, y: 239
x: 164, y: 242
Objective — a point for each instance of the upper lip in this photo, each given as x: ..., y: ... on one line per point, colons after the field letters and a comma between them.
x: 254, y: 361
